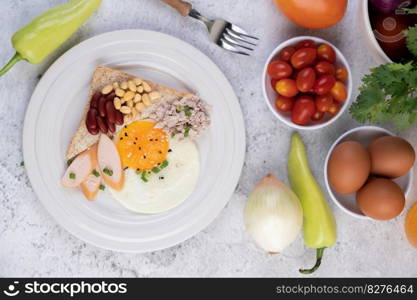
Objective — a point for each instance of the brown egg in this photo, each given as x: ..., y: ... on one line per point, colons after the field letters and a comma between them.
x: 349, y: 167
x: 391, y: 156
x: 381, y: 199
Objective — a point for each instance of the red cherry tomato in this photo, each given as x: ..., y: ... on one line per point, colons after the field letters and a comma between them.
x: 326, y: 52
x: 305, y: 80
x: 284, y: 104
x: 274, y: 83
x: 334, y: 108
x: 279, y: 69
x: 318, y: 115
x: 303, y: 57
x: 342, y: 74
x: 339, y: 91
x: 324, y: 84
x: 324, y: 67
x: 286, y: 87
x: 323, y: 102
x: 304, y: 108
x: 286, y: 53
x: 305, y: 44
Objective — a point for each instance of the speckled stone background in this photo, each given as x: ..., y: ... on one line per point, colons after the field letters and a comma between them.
x: 31, y: 242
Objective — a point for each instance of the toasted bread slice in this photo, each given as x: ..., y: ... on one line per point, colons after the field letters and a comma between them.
x: 103, y: 76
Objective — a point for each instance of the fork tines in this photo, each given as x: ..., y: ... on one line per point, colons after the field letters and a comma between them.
x: 236, y: 40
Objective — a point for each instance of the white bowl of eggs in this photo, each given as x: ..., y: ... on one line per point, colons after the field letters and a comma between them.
x: 368, y: 173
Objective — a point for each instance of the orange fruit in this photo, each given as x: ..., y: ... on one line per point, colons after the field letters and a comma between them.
x: 313, y: 13
x: 411, y: 225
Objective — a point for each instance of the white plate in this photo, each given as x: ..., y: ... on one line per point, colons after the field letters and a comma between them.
x: 55, y: 111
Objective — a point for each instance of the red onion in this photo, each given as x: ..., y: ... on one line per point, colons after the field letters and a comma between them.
x: 388, y: 6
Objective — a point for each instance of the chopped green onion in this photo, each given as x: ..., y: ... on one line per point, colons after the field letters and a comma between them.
x: 95, y: 173
x: 172, y: 135
x: 108, y: 172
x: 178, y: 108
x: 72, y: 175
x: 156, y: 170
x: 102, y: 187
x: 143, y: 177
x: 164, y: 164
x: 187, y: 131
x: 187, y: 111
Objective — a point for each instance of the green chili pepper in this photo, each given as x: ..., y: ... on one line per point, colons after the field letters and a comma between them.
x: 47, y: 32
x: 319, y: 224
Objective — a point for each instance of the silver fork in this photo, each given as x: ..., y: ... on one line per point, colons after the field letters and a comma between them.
x: 225, y: 34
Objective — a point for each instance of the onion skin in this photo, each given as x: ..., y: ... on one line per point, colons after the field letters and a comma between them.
x: 273, y: 215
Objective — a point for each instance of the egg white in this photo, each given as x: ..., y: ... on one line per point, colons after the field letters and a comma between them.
x: 166, y: 189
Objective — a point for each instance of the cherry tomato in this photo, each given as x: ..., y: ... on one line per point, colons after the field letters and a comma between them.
x: 274, y: 83
x: 304, y: 108
x: 303, y: 57
x: 286, y: 53
x: 305, y: 80
x: 339, y: 92
x: 334, y: 108
x: 342, y: 74
x: 324, y: 84
x: 305, y: 44
x: 284, y: 104
x: 324, y: 67
x: 326, y: 52
x: 323, y: 102
x: 318, y: 115
x: 286, y: 87
x: 279, y: 69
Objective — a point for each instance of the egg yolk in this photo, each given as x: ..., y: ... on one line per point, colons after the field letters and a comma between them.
x: 141, y: 146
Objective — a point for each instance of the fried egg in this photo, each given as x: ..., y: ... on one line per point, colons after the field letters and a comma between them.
x: 160, y: 172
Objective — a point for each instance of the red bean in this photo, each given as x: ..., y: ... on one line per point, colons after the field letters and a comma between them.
x: 102, y: 107
x: 119, y: 118
x: 110, y: 112
x: 111, y: 96
x: 102, y: 124
x: 95, y: 99
x: 91, y: 122
x: 111, y: 126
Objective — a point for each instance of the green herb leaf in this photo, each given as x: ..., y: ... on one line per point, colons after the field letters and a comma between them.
x: 95, y: 173
x: 108, y: 172
x: 143, y: 177
x: 178, y: 108
x: 172, y: 135
x: 410, y: 10
x: 71, y: 175
x: 187, y: 131
x: 411, y: 35
x: 156, y: 170
x: 102, y: 187
x: 187, y: 111
x: 164, y: 164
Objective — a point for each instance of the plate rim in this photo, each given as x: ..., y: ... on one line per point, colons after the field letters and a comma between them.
x: 33, y: 108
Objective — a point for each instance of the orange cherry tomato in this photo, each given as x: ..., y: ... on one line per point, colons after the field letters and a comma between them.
x: 339, y: 92
x: 305, y: 79
x: 303, y: 57
x: 284, y: 104
x: 324, y: 84
x: 411, y: 225
x: 305, y: 44
x: 342, y: 74
x: 279, y: 69
x: 304, y: 108
x: 286, y: 53
x: 324, y: 102
x: 324, y: 67
x: 318, y: 115
x: 334, y: 108
x: 313, y: 14
x: 326, y: 52
x: 286, y: 87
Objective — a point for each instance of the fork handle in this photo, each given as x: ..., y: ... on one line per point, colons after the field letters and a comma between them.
x: 182, y: 7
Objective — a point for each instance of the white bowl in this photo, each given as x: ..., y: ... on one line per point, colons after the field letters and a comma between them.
x: 368, y: 33
x: 364, y: 135
x: 270, y: 95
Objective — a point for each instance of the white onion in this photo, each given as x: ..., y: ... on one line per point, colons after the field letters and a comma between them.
x: 273, y: 215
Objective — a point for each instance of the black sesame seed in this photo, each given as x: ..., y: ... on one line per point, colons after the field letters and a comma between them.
x: 161, y: 177
x: 121, y: 138
x: 126, y: 134
x: 170, y: 150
